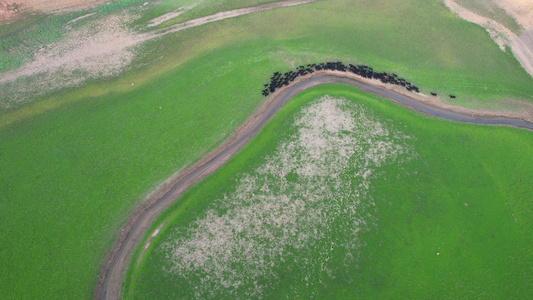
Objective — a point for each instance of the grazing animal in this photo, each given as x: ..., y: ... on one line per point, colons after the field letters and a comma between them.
x: 433, y: 94
x: 452, y: 96
x: 279, y: 80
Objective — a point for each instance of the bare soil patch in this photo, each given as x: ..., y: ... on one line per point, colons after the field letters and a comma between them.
x: 11, y: 10
x: 169, y: 16
x: 266, y: 214
x: 54, y: 5
x: 8, y: 11
x: 522, y: 47
x: 104, y: 47
x: 520, y: 10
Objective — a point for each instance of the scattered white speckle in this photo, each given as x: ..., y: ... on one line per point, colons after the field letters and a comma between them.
x: 159, y: 107
x: 133, y: 84
x: 282, y: 212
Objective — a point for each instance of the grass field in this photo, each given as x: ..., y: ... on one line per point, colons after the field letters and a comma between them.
x: 76, y: 163
x: 438, y: 52
x: 387, y: 220
x: 490, y: 10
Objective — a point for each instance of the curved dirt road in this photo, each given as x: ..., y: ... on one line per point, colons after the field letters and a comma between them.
x: 110, y: 281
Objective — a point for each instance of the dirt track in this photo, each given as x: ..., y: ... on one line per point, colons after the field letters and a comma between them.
x: 522, y: 46
x: 227, y: 15
x: 111, y: 277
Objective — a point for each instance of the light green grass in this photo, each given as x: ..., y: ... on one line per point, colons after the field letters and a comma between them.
x: 72, y: 175
x: 420, y: 211
x: 75, y: 165
x: 490, y: 9
x: 438, y: 52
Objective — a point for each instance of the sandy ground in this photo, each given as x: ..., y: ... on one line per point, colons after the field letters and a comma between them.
x: 111, y: 276
x: 522, y: 11
x: 54, y: 5
x: 8, y: 11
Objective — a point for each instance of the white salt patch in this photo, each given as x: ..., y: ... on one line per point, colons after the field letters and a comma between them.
x: 237, y: 246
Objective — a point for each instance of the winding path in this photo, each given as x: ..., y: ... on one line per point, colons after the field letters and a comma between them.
x: 110, y: 281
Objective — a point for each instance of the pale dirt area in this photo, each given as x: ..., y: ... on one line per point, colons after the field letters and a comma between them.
x: 229, y: 14
x: 520, y: 10
x: 522, y: 46
x: 267, y: 217
x: 7, y: 11
x: 522, y: 110
x: 48, y: 6
x: 103, y: 47
x: 169, y: 16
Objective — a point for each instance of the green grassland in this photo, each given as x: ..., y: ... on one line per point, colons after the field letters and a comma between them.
x: 74, y: 165
x: 491, y: 10
x: 419, y: 211
x: 435, y: 49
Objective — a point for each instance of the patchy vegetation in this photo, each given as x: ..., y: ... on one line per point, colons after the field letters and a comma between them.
x: 301, y: 209
x: 278, y: 80
x: 333, y: 195
x: 75, y: 163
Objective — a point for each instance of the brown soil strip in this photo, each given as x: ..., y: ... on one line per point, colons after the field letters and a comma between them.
x: 522, y: 46
x: 111, y: 280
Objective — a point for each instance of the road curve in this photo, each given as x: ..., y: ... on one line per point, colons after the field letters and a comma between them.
x: 110, y: 281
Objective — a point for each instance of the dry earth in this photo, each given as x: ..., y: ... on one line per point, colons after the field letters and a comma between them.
x: 7, y: 11
x: 11, y: 10
x: 48, y: 6
x: 103, y: 47
x: 522, y: 12
x: 269, y: 220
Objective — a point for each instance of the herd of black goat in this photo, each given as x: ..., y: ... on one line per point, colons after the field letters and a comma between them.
x: 279, y: 80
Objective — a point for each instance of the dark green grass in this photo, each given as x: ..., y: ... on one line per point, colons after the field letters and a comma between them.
x: 484, y: 251
x: 75, y: 166
x: 71, y: 176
